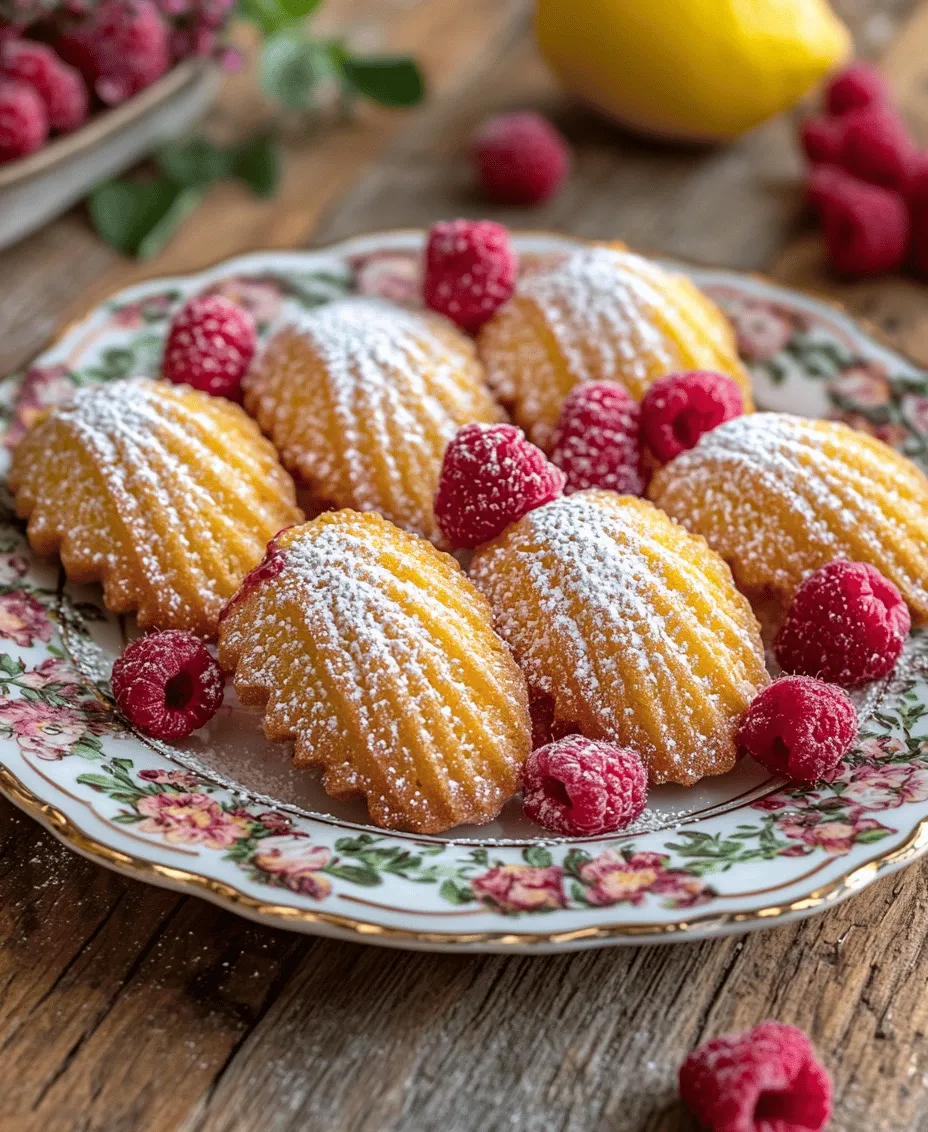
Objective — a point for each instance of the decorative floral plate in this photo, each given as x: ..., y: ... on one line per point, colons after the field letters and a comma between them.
x: 226, y: 817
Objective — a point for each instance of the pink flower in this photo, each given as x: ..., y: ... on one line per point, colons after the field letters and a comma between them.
x: 885, y: 747
x: 521, y: 888
x: 836, y: 836
x: 884, y: 788
x: 23, y: 619
x: 894, y: 435
x: 151, y: 308
x: 275, y: 822
x: 865, y: 385
x: 915, y: 411
x: 56, y: 672
x: 41, y: 387
x: 12, y: 568
x: 612, y: 878
x: 180, y: 778
x: 396, y: 276
x: 45, y: 730
x: 191, y: 819
x: 296, y: 863
x: 763, y: 329
x: 260, y: 295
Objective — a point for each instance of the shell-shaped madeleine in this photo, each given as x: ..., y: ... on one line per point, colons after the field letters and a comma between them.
x: 165, y: 495
x: 631, y: 624
x: 778, y: 496
x: 374, y: 651
x: 604, y: 314
x: 361, y: 399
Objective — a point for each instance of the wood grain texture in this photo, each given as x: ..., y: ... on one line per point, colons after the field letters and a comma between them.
x: 123, y: 1007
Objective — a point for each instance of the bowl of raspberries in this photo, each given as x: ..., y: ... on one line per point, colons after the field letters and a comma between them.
x: 88, y: 87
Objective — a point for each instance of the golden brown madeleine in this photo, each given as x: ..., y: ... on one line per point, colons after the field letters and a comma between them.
x: 165, y: 495
x: 778, y: 496
x: 631, y: 624
x: 604, y: 314
x: 361, y: 399
x: 374, y: 651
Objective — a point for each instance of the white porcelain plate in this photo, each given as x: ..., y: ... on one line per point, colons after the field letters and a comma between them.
x: 226, y: 817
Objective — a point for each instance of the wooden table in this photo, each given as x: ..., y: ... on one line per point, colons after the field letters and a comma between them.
x: 124, y: 1007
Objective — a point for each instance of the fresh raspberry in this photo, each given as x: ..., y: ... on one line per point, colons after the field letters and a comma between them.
x: 59, y: 86
x: 579, y: 787
x: 210, y: 346
x: 847, y: 624
x: 822, y: 138
x: 120, y: 48
x: 765, y: 1080
x: 822, y: 182
x: 866, y: 228
x: 679, y: 408
x: 23, y: 120
x: 470, y: 270
x: 268, y: 568
x: 168, y: 684
x: 799, y: 727
x: 917, y: 200
x: 521, y: 158
x: 490, y: 477
x: 876, y: 147
x: 858, y: 86
x: 596, y: 440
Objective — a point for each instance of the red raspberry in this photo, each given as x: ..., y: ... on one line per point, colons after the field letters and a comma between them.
x: 847, y: 624
x: 858, y: 86
x: 167, y: 684
x: 765, y: 1080
x: 579, y: 787
x: 799, y: 727
x: 490, y: 477
x: 822, y: 138
x: 269, y: 567
x: 60, y: 87
x: 120, y: 48
x: 866, y: 227
x: 23, y: 120
x: 596, y: 439
x: 521, y: 158
x: 470, y: 270
x: 876, y: 147
x: 210, y: 346
x: 678, y: 409
x: 917, y: 199
x: 821, y: 183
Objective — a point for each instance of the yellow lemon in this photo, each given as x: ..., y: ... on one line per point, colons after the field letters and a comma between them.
x: 697, y: 69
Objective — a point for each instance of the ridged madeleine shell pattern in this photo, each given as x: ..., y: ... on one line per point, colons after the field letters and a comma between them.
x: 632, y: 625
x: 604, y: 314
x: 165, y: 495
x: 374, y: 651
x: 361, y: 399
x: 778, y: 496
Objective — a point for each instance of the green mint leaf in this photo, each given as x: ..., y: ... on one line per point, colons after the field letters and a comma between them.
x: 391, y: 80
x: 290, y: 69
x: 124, y: 212
x: 298, y: 10
x: 269, y: 15
x: 184, y: 202
x: 257, y: 163
x: 194, y: 161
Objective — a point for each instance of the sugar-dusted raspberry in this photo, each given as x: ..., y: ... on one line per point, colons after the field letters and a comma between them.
x: 168, y: 684
x: 470, y: 270
x: 678, y: 409
x: 268, y: 568
x: 847, y: 625
x: 521, y: 158
x: 822, y: 138
x: 866, y: 227
x: 490, y: 477
x: 23, y: 120
x: 876, y: 147
x: 764, y: 1080
x: 119, y: 46
x: 799, y: 727
x: 210, y: 346
x: 579, y: 787
x: 856, y: 87
x: 60, y: 87
x: 596, y: 441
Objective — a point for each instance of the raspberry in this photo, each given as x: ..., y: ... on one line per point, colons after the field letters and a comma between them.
x: 822, y: 182
x: 269, y: 567
x: 578, y: 787
x: 678, y: 409
x: 470, y: 270
x: 765, y: 1080
x: 876, y: 147
x: 847, y: 624
x: 858, y: 86
x: 596, y: 441
x: 521, y: 158
x: 168, y: 684
x: 799, y: 727
x: 120, y: 48
x: 822, y: 138
x: 210, y: 346
x: 866, y: 227
x: 23, y: 120
x: 59, y: 86
x: 490, y: 477
x: 917, y: 199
